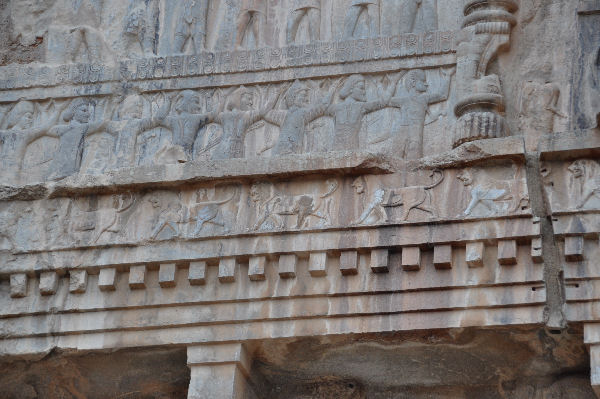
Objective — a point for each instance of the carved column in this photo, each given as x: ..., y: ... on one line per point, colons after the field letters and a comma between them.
x: 219, y: 372
x: 591, y: 336
x: 485, y: 31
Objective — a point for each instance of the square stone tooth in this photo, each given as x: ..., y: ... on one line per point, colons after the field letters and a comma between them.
x: 227, y: 270
x: 442, y: 256
x: 474, y: 254
x: 48, y: 283
x: 197, y: 273
x: 256, y: 268
x: 507, y: 252
x: 287, y: 265
x: 18, y: 285
x: 107, y: 279
x: 166, y: 275
x: 349, y: 263
x: 78, y: 281
x: 536, y: 250
x: 380, y: 260
x: 137, y: 277
x: 411, y: 258
x: 574, y: 248
x: 317, y: 264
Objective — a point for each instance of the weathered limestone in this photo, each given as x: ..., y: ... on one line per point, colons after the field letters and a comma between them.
x: 219, y: 371
x: 197, y: 273
x: 137, y: 277
x: 48, y: 283
x: 306, y: 196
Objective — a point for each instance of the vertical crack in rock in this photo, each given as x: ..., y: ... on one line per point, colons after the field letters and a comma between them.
x: 554, y: 316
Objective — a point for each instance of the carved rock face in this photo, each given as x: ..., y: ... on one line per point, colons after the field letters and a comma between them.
x: 316, y: 199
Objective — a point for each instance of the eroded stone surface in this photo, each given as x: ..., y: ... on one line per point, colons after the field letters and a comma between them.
x: 344, y: 191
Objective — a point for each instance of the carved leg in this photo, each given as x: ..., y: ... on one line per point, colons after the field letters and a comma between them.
x: 179, y: 42
x: 314, y: 24
x: 373, y: 19
x: 242, y: 26
x: 293, y: 23
x: 257, y: 28
x: 219, y: 372
x: 350, y: 21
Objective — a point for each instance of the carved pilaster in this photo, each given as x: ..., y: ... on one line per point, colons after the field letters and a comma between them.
x: 219, y: 372
x: 485, y: 31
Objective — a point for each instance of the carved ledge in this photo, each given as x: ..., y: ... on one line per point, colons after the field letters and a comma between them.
x: 175, y: 175
x: 569, y: 145
x: 473, y: 152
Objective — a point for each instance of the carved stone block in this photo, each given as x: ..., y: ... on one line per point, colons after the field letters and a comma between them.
x: 78, y: 281
x: 18, y: 285
x: 411, y: 258
x: 349, y: 263
x: 574, y: 248
x: 595, y: 368
x: 442, y: 256
x: 197, y: 273
x: 107, y: 279
x: 287, y: 265
x: 256, y: 268
x: 48, y: 283
x: 137, y: 277
x: 166, y: 275
x: 227, y: 270
x: 507, y: 252
x: 317, y: 264
x: 536, y: 250
x: 380, y: 261
x: 474, y: 254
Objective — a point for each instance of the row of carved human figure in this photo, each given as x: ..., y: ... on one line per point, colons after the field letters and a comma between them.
x: 188, y: 26
x: 179, y: 128
x: 262, y: 206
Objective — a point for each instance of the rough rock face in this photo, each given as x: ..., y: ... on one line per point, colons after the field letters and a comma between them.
x: 299, y: 198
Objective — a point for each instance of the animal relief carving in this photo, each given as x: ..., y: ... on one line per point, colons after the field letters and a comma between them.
x: 273, y: 208
x: 409, y: 198
x: 491, y: 197
x: 586, y: 189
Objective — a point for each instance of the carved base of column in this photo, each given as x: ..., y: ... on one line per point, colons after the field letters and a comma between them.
x: 478, y: 125
x: 219, y: 372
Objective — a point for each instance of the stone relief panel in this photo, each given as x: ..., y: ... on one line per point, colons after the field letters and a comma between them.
x: 96, y: 31
x: 572, y: 186
x: 51, y: 140
x: 224, y: 209
x: 586, y: 91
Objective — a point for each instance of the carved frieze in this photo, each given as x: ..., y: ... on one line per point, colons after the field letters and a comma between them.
x: 572, y: 186
x: 223, y: 62
x: 92, y: 135
x: 226, y: 209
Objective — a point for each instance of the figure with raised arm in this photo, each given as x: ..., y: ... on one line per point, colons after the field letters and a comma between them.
x: 349, y: 113
x: 239, y: 115
x: 21, y: 132
x: 413, y: 98
x: 295, y: 119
